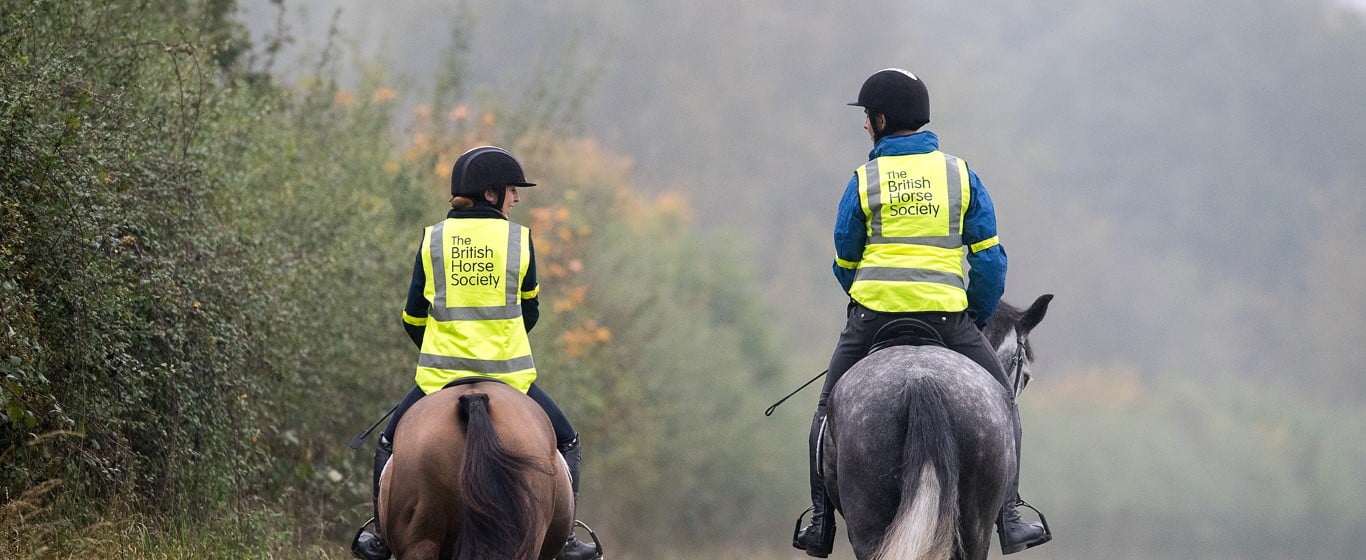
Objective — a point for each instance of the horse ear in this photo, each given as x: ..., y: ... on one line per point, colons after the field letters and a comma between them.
x: 1034, y: 315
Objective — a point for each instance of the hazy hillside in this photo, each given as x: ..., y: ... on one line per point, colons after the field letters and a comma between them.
x: 1174, y: 172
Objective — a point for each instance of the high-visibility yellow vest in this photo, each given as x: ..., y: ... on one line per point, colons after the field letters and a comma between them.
x: 474, y: 270
x: 913, y: 259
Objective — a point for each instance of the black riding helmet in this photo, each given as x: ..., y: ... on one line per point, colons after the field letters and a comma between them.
x: 897, y: 94
x: 486, y: 167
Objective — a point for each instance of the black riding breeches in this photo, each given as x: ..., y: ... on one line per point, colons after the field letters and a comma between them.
x: 564, y: 431
x: 956, y: 329
x: 403, y: 405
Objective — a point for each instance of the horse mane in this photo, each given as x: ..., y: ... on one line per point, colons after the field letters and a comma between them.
x: 498, y: 502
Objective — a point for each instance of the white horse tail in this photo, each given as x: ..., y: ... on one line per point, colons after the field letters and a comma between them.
x: 926, y: 523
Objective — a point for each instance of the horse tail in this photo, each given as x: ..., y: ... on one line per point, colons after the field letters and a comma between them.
x: 498, y: 500
x: 926, y: 523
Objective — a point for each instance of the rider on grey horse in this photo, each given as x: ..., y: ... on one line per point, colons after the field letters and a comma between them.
x: 904, y: 221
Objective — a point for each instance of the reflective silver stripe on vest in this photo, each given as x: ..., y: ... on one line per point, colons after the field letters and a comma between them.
x: 511, y: 309
x: 520, y: 363
x: 886, y: 274
x: 514, y: 265
x: 873, y: 184
x: 955, y: 198
x: 437, y: 249
x: 953, y: 240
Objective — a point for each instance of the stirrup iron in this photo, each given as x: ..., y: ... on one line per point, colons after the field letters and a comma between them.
x: 1048, y: 533
x: 592, y: 535
x: 798, y: 528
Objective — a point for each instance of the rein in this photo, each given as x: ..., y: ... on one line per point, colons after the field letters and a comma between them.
x: 1017, y: 362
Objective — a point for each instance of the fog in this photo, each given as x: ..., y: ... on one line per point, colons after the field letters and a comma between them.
x: 1094, y: 126
x: 1186, y: 178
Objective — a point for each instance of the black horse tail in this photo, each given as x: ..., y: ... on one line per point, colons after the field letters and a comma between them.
x: 926, y: 523
x: 498, y: 500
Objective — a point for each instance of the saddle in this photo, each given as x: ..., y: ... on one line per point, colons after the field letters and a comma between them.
x: 472, y: 380
x: 906, y: 331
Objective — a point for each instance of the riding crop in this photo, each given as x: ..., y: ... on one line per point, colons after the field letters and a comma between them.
x: 770, y: 410
x: 360, y: 438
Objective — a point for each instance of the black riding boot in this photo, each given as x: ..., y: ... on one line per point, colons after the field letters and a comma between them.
x: 370, y: 545
x: 818, y: 537
x: 575, y: 549
x: 1016, y: 533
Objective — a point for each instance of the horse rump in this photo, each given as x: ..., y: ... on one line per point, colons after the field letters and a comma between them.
x: 498, y: 501
x: 926, y: 521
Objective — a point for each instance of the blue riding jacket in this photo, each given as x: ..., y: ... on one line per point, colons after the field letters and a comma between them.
x: 987, y: 274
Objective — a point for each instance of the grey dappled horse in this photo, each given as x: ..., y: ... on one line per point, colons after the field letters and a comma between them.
x: 918, y: 448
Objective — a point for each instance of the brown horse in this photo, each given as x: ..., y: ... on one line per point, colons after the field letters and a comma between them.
x: 475, y: 475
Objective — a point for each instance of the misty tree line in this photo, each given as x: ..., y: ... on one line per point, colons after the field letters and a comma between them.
x: 1206, y: 149
x: 1184, y: 176
x: 170, y: 213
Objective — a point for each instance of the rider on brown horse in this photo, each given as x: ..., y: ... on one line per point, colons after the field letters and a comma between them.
x: 475, y: 321
x: 903, y: 224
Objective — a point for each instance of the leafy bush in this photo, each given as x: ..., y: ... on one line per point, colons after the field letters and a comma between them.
x: 202, y: 274
x: 132, y: 345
